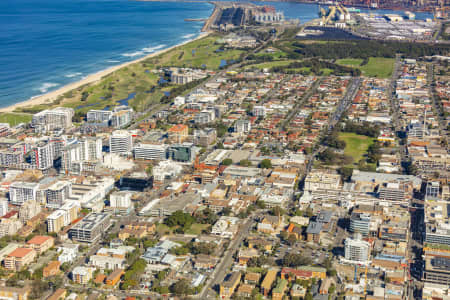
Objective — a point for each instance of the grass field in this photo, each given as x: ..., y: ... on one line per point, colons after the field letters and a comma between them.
x: 379, y: 67
x: 138, y: 79
x: 200, y: 53
x: 270, y: 64
x: 14, y: 119
x: 354, y: 62
x: 356, y: 145
x: 197, y: 228
x: 163, y: 229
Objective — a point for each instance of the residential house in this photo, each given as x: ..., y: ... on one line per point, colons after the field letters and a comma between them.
x: 51, y: 269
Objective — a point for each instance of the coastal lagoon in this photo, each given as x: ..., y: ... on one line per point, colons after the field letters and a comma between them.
x: 46, y: 44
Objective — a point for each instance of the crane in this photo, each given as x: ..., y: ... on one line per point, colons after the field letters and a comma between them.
x: 365, y: 280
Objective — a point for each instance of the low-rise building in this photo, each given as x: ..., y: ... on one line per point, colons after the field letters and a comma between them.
x: 14, y: 293
x: 228, y: 286
x: 82, y: 275
x: 51, y: 269
x: 19, y: 258
x: 268, y: 281
x: 41, y: 243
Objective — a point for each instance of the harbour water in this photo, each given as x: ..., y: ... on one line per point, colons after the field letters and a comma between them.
x: 45, y: 44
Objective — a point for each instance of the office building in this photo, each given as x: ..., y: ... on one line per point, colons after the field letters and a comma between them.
x: 181, y: 152
x: 356, y: 249
x: 391, y: 192
x: 120, y: 142
x: 21, y: 192
x: 360, y: 223
x: 437, y: 269
x: 432, y: 190
x: 90, y: 228
x: 150, y: 151
x: 137, y: 181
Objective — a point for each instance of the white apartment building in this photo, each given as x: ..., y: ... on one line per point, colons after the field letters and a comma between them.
x: 21, y: 192
x: 91, y: 148
x: 51, y: 119
x: 29, y: 210
x: 70, y: 154
x: 242, y: 126
x: 356, y: 250
x: 120, y: 142
x: 259, y: 111
x: 150, y: 151
x: 122, y: 116
x: 55, y: 221
x: 120, y: 199
x: 98, y: 116
x: 58, y: 193
x: 68, y: 252
x: 3, y: 207
x: 42, y: 157
x: 204, y: 117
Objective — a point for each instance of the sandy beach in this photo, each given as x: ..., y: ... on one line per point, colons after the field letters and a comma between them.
x: 49, y: 97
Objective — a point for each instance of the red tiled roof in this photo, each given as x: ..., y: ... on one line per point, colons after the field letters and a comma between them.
x: 39, y: 240
x: 20, y: 252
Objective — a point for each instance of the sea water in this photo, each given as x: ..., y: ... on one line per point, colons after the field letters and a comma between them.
x: 45, y: 44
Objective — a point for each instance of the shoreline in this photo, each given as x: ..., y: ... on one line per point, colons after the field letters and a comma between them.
x: 49, y: 97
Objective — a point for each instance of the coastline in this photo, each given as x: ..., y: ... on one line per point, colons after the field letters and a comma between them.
x: 49, y: 97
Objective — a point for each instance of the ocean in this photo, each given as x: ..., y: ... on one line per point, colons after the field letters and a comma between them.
x: 45, y: 44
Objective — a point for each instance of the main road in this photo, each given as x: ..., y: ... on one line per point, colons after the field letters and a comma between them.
x: 219, y: 273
